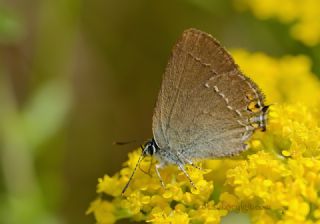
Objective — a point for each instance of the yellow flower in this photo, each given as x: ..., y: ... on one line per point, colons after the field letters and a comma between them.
x: 109, y: 185
x: 208, y: 214
x: 136, y: 201
x: 103, y: 211
x: 303, y: 15
x: 176, y: 217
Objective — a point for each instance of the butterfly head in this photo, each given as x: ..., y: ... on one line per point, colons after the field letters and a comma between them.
x: 150, y: 148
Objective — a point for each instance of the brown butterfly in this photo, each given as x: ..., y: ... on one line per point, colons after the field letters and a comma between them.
x: 206, y: 107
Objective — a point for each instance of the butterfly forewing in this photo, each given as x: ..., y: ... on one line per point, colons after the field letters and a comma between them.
x: 202, y: 108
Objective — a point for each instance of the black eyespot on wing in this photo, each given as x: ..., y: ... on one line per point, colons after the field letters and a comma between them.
x: 265, y: 108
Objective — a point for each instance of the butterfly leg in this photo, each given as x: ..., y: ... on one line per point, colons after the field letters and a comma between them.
x: 192, y: 164
x: 159, y: 166
x: 189, y: 162
x: 187, y: 175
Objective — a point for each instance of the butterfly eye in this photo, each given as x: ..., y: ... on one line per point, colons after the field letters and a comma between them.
x: 149, y: 150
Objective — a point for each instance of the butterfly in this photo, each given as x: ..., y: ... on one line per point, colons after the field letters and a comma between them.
x: 206, y: 107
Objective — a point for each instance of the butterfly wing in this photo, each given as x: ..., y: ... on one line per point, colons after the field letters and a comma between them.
x: 203, y: 108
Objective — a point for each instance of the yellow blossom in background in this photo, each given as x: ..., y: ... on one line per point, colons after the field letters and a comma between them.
x: 287, y: 79
x: 276, y: 181
x: 303, y: 16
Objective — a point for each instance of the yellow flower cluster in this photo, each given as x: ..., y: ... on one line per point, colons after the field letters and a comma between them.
x: 147, y: 200
x: 303, y: 15
x: 283, y: 80
x: 276, y: 181
x: 283, y: 177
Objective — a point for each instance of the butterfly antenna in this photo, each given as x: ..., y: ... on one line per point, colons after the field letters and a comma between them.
x: 151, y: 163
x: 134, y: 170
x: 123, y: 142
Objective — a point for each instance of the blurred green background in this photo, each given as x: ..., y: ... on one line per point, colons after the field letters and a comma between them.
x: 77, y: 75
